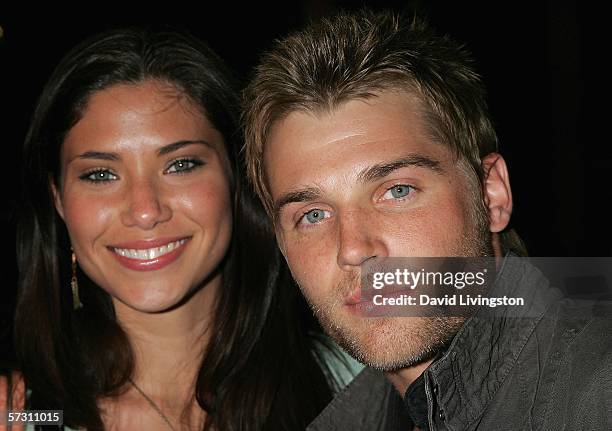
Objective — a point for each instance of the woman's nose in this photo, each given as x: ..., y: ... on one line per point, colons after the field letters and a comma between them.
x: 145, y: 206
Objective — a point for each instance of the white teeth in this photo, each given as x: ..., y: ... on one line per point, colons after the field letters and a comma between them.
x: 149, y: 253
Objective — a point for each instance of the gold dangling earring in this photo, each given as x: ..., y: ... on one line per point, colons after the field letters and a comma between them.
x: 74, y: 285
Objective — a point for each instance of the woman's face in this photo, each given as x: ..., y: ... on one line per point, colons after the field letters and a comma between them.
x: 145, y: 194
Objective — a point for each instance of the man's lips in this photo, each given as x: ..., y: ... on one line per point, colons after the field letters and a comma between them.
x: 360, y: 297
x: 354, y: 298
x: 356, y: 304
x: 362, y: 302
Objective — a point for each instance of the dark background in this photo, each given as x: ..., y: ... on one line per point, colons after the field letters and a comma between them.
x: 538, y: 63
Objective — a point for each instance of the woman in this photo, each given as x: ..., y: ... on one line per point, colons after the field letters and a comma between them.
x: 151, y: 293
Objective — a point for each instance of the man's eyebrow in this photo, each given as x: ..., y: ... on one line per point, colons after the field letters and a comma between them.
x: 381, y: 170
x: 305, y: 194
x: 166, y: 149
x: 370, y: 173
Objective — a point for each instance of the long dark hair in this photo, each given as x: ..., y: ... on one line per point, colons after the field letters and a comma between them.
x: 262, y: 368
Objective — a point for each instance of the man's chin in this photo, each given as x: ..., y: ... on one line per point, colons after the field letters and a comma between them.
x: 390, y: 344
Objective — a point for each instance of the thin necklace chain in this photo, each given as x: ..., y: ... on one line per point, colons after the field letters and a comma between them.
x: 152, y: 403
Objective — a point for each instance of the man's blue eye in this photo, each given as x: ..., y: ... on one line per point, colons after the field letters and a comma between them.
x: 183, y: 165
x: 399, y: 191
x: 314, y: 216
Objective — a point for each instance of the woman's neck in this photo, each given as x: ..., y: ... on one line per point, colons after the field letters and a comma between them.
x: 168, y: 346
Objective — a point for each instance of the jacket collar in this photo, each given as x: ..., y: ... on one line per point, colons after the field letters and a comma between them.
x: 369, y: 402
x: 486, y: 348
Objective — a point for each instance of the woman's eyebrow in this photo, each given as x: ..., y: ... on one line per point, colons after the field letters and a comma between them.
x: 381, y: 170
x: 166, y: 149
x: 98, y: 155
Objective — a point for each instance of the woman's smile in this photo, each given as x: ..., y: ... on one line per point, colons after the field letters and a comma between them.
x: 149, y: 255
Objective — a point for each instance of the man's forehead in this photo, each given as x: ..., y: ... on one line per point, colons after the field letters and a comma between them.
x: 350, y: 111
x: 351, y: 137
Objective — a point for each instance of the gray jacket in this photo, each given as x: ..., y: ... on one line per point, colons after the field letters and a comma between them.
x: 550, y: 369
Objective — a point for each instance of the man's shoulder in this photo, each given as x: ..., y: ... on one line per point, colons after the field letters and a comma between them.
x: 581, y: 389
x: 368, y: 402
x: 585, y: 321
x: 588, y: 329
x: 581, y: 333
x: 367, y: 389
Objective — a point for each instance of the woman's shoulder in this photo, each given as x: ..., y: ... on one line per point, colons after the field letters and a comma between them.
x: 12, y: 391
x: 12, y: 394
x: 14, y: 397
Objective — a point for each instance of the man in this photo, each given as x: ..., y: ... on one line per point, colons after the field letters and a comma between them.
x: 367, y: 138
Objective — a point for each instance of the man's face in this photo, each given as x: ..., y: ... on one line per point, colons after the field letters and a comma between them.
x: 362, y: 181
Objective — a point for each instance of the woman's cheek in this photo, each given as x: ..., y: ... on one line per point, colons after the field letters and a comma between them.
x: 87, y: 218
x: 208, y: 202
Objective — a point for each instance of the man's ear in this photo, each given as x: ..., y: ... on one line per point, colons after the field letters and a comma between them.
x: 497, y: 192
x: 57, y: 198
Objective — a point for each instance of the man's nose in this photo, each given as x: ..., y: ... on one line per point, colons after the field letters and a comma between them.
x: 145, y: 206
x: 359, y: 239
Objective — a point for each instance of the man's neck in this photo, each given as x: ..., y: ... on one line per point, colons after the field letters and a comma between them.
x: 404, y: 377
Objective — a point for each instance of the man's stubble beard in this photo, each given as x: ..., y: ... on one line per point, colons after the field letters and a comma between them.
x: 392, y: 343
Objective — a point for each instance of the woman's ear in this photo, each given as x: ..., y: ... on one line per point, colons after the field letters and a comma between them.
x: 280, y: 242
x: 57, y: 198
x: 497, y: 192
